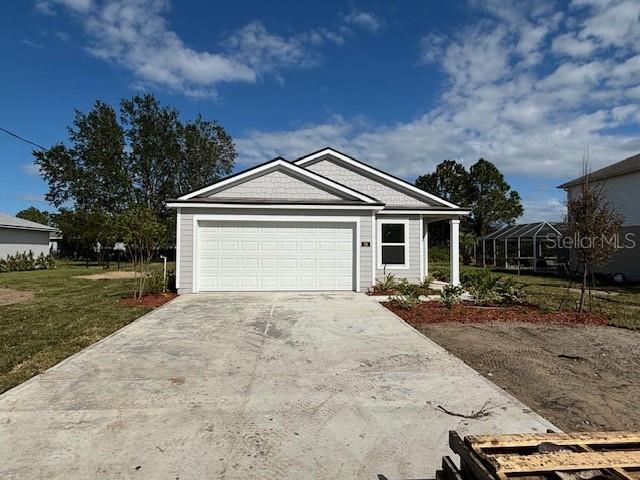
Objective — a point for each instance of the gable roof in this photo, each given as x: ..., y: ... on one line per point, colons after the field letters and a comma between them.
x: 623, y: 167
x: 8, y: 221
x: 281, y: 164
x: 358, y: 165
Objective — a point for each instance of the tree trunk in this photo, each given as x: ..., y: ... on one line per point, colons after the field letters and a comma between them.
x: 583, y: 288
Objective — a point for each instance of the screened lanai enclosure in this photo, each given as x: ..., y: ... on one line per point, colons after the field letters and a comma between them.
x: 530, y: 246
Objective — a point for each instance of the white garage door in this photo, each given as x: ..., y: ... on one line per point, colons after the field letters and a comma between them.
x: 275, y: 256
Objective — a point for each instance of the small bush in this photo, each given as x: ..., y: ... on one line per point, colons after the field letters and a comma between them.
x: 156, y: 283
x: 388, y: 283
x: 451, y: 295
x: 511, y: 292
x: 24, y: 261
x: 426, y: 282
x: 482, y: 285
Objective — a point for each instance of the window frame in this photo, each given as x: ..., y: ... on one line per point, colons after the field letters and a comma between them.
x: 380, y: 244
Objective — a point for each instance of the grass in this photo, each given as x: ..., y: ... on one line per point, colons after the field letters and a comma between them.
x: 66, y: 315
x: 621, y: 307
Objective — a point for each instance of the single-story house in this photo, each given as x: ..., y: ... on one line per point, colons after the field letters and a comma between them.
x: 18, y: 235
x: 325, y: 221
x: 620, y: 182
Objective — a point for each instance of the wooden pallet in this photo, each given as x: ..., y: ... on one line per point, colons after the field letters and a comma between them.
x: 544, y: 456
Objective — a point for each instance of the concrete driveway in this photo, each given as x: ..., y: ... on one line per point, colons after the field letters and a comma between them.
x: 256, y: 385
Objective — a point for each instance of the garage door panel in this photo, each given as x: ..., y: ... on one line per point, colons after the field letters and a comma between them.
x: 275, y: 256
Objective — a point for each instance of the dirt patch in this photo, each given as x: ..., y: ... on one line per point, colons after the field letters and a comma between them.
x: 580, y: 377
x: 149, y: 301
x: 435, y: 312
x: 9, y: 296
x: 115, y: 275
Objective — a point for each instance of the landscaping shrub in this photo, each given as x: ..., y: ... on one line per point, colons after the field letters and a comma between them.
x: 426, y: 282
x: 451, y: 295
x: 156, y: 283
x: 510, y: 291
x: 487, y: 288
x: 482, y: 285
x: 24, y: 261
x: 408, y: 294
x: 388, y: 283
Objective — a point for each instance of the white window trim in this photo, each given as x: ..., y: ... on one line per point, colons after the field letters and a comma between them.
x: 406, y: 264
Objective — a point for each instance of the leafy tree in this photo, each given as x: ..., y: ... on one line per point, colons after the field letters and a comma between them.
x: 142, y: 232
x: 85, y: 233
x: 482, y: 188
x: 35, y: 215
x: 142, y: 154
x: 450, y: 181
x: 491, y: 199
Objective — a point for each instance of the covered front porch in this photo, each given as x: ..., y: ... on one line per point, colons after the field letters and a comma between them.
x: 427, y: 218
x: 454, y: 243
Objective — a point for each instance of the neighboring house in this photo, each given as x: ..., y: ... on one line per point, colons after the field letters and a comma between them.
x: 323, y: 222
x: 18, y: 235
x: 621, y: 183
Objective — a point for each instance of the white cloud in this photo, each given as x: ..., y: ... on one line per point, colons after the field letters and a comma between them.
x: 568, y: 44
x: 543, y: 210
x: 135, y: 35
x: 47, y: 7
x: 497, y: 104
x: 264, y: 52
x: 365, y: 20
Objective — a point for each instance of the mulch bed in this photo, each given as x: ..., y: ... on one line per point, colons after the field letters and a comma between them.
x: 149, y: 301
x: 391, y: 291
x: 435, y: 312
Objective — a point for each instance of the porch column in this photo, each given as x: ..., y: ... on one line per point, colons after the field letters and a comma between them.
x: 425, y: 243
x: 454, y: 252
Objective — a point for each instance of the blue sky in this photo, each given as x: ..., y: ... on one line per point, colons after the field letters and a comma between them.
x: 401, y: 85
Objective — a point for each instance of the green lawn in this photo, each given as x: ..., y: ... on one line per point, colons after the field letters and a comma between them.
x: 621, y: 306
x: 66, y: 315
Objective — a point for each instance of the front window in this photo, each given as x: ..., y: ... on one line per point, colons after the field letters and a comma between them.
x: 393, y: 244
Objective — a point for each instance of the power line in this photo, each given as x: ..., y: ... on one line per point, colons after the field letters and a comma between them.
x: 23, y: 139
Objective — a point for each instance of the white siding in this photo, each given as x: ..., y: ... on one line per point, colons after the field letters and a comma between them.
x: 622, y: 192
x: 13, y: 240
x: 332, y: 169
x: 186, y: 237
x: 275, y: 185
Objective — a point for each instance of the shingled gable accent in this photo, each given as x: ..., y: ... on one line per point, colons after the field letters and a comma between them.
x: 280, y: 166
x: 330, y: 154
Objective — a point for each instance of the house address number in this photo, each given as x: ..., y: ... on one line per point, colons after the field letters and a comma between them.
x: 365, y: 244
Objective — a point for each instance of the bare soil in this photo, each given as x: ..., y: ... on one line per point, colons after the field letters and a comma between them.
x: 9, y: 296
x: 580, y: 377
x: 149, y: 301
x: 113, y: 275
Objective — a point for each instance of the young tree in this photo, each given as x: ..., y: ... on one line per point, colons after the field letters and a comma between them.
x: 35, y: 215
x: 142, y: 232
x: 593, y: 226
